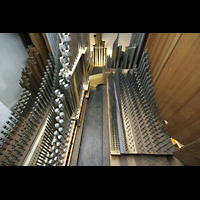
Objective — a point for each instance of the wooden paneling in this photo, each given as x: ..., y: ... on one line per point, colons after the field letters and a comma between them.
x: 179, y: 81
x: 185, y: 126
x: 174, y: 62
x: 160, y: 47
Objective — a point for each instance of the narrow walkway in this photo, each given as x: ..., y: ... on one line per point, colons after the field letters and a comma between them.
x: 91, y: 147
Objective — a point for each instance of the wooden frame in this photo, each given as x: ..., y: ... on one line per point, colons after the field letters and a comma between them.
x: 77, y: 140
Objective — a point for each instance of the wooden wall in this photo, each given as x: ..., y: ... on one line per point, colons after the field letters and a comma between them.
x: 174, y: 60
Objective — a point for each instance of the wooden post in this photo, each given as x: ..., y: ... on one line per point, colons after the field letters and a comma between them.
x: 76, y: 91
x: 46, y: 42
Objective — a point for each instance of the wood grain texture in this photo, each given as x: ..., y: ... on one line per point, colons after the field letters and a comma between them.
x: 185, y: 126
x: 160, y: 46
x: 174, y: 62
x: 178, y: 82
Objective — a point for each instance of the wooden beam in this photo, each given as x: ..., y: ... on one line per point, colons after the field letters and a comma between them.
x: 82, y: 68
x: 46, y: 42
x: 106, y: 147
x: 40, y: 61
x: 76, y: 91
x: 77, y: 142
x: 38, y: 41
